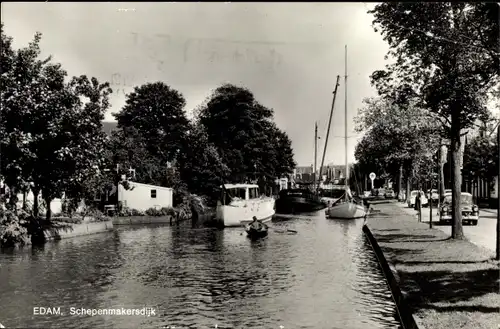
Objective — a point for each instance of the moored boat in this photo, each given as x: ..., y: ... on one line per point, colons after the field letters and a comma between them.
x: 298, y: 201
x: 241, y: 202
x: 346, y: 207
x: 346, y: 210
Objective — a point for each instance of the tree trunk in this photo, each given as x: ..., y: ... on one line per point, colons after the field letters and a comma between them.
x: 12, y: 198
x: 456, y: 187
x: 408, y: 186
x: 24, y: 200
x: 441, y: 182
x: 35, y: 210
x: 400, y: 178
x: 48, y: 213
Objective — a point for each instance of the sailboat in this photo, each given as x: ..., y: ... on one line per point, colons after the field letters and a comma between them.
x: 346, y: 207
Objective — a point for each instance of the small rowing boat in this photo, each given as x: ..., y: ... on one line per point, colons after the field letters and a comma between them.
x: 256, y: 233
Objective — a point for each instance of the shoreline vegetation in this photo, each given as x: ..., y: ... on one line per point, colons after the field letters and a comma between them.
x: 61, y: 151
x: 446, y: 283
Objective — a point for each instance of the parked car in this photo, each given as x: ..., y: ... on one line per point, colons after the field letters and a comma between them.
x: 367, y: 194
x: 433, y: 195
x: 470, y: 211
x: 380, y: 193
x: 413, y: 198
x: 389, y: 194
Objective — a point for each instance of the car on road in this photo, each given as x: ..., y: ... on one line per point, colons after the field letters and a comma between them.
x: 433, y: 195
x: 413, y: 198
x: 470, y: 211
x: 389, y: 194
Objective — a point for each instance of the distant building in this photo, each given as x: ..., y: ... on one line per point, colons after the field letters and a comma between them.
x: 331, y: 174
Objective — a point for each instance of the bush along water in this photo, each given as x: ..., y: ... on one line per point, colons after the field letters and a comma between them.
x: 13, y: 228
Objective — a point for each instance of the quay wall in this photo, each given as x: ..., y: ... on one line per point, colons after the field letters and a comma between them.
x: 136, y: 220
x: 407, y: 318
x: 70, y: 230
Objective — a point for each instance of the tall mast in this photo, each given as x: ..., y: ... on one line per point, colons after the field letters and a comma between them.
x: 315, y: 153
x: 345, y: 127
x: 329, y: 124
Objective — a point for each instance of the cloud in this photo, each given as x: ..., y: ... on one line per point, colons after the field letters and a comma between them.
x: 288, y: 54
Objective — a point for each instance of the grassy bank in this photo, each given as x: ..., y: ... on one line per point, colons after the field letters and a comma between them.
x: 448, y: 284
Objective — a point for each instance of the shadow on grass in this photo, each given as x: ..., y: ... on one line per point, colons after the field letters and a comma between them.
x: 400, y: 252
x: 448, y: 262
x: 478, y: 308
x: 396, y: 238
x: 425, y: 287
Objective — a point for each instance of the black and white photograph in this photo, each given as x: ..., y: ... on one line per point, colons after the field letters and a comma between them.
x: 250, y: 165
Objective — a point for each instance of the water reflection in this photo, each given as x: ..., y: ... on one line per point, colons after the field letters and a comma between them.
x: 326, y: 276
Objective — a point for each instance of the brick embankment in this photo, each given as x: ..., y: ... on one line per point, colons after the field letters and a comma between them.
x: 445, y: 283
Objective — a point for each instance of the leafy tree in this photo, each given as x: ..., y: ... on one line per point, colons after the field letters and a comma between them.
x: 68, y: 139
x: 21, y: 91
x: 281, y: 148
x: 128, y: 148
x: 481, y: 156
x: 156, y: 111
x: 246, y: 138
x: 200, y: 165
x: 447, y: 59
x: 398, y: 136
x: 49, y: 136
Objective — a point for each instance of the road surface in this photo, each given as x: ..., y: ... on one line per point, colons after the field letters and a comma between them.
x: 482, y: 235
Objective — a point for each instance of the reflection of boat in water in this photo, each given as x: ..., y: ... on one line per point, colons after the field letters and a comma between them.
x: 241, y: 202
x: 256, y: 233
x: 298, y: 201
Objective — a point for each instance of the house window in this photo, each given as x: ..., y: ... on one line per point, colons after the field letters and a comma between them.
x: 153, y: 194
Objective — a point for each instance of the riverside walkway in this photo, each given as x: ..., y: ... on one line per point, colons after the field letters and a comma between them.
x: 445, y: 283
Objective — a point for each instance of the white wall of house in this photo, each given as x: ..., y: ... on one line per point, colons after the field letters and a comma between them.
x: 144, y: 196
x: 55, y: 205
x: 494, y: 190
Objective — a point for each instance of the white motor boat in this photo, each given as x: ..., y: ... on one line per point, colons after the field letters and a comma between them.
x: 241, y: 202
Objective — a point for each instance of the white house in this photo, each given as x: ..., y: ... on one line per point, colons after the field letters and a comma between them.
x: 55, y: 205
x: 143, y: 196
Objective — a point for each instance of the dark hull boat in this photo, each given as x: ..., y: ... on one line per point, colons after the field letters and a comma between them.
x: 292, y: 201
x: 256, y: 233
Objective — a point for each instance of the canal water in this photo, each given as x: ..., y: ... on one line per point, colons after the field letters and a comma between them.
x: 325, y: 276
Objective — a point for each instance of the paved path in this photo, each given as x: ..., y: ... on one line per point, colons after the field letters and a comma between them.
x: 447, y: 283
x: 483, y: 235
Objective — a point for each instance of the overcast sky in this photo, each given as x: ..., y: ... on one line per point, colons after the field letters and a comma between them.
x: 287, y: 54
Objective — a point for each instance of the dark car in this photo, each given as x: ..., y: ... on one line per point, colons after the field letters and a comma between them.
x: 470, y: 211
x: 389, y: 194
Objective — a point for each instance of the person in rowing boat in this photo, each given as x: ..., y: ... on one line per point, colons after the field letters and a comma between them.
x: 257, y: 224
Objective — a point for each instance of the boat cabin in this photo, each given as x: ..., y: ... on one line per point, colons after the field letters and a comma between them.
x: 240, y: 192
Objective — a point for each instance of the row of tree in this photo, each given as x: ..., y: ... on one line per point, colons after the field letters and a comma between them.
x: 52, y: 142
x: 446, y: 67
